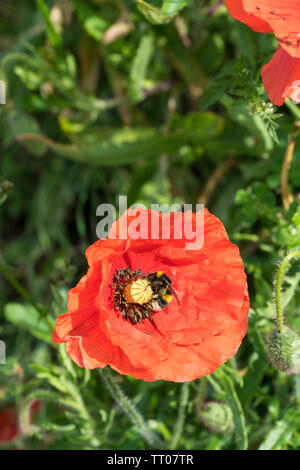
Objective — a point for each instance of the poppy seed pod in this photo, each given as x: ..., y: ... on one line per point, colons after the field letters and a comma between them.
x: 217, y: 417
x: 284, y: 350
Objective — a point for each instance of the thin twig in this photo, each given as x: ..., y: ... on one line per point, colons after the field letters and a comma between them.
x: 214, y: 180
x: 287, y: 197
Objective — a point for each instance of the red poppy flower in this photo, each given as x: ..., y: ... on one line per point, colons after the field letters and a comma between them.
x: 180, y: 340
x: 9, y: 422
x: 8, y: 425
x: 281, y: 76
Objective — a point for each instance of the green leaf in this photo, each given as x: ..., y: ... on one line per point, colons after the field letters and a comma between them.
x: 21, y: 123
x: 139, y: 68
x: 290, y: 291
x: 202, y: 125
x: 108, y: 146
x: 216, y: 88
x: 238, y: 415
x: 5, y: 189
x: 283, y: 430
x: 92, y: 22
x: 184, y: 62
x: 29, y: 319
x: 60, y: 385
x: 95, y: 27
x: 53, y: 36
x: 230, y: 394
x: 165, y: 14
x: 254, y: 123
x: 66, y: 361
x: 254, y: 376
x: 297, y: 388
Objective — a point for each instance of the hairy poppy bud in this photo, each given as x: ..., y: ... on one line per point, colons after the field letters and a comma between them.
x: 284, y: 350
x: 217, y: 417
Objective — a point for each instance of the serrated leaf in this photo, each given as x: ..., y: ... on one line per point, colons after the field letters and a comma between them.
x: 254, y: 376
x: 280, y: 434
x: 230, y: 394
x: 239, y: 113
x: 238, y: 416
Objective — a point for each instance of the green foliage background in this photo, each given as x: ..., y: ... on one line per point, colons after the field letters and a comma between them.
x: 161, y: 101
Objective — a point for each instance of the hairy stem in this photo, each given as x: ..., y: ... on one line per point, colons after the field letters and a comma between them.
x: 287, y: 197
x: 129, y: 408
x: 278, y: 285
x: 293, y: 108
x: 201, y: 395
x: 183, y: 402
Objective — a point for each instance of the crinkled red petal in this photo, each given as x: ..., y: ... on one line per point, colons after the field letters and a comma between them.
x: 237, y: 10
x: 281, y: 77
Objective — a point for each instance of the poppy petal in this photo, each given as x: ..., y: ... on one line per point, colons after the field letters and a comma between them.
x: 284, y: 19
x: 281, y: 77
x: 237, y: 10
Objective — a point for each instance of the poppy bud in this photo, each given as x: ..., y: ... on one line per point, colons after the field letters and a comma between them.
x: 284, y: 350
x: 217, y: 417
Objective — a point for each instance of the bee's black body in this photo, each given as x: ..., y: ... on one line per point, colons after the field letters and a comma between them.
x: 162, y: 293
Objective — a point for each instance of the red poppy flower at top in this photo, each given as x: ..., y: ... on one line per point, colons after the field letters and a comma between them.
x: 197, y: 299
x: 281, y: 76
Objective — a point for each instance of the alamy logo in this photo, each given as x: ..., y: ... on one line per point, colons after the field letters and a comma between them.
x: 2, y: 352
x: 184, y: 226
x: 2, y: 92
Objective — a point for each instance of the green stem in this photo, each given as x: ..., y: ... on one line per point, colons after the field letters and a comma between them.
x: 44, y: 395
x: 201, y: 395
x: 129, y: 408
x: 295, y: 111
x: 13, y: 281
x: 183, y: 402
x: 297, y: 388
x: 278, y: 285
x: 286, y: 195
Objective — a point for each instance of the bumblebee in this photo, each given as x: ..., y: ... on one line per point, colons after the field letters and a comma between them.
x: 162, y: 290
x: 138, y: 296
